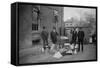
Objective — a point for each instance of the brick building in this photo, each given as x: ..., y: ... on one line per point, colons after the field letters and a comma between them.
x: 31, y: 20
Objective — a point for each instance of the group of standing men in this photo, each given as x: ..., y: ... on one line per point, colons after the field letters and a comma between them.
x: 45, y: 35
x: 77, y: 37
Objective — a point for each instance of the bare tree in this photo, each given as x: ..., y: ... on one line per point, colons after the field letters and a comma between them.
x: 91, y: 21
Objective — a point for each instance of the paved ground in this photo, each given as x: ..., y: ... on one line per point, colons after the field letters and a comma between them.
x: 34, y: 55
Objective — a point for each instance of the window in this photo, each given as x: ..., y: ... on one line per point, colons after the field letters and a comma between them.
x: 34, y: 26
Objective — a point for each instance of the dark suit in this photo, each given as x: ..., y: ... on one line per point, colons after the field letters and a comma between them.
x: 54, y: 37
x: 94, y: 38
x: 44, y: 35
x: 74, y: 37
x: 80, y: 40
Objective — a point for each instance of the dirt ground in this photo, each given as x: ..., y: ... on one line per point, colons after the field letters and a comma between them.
x: 35, y: 55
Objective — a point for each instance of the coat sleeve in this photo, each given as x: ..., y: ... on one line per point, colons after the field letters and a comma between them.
x: 57, y: 33
x: 83, y: 34
x: 50, y: 35
x: 41, y: 34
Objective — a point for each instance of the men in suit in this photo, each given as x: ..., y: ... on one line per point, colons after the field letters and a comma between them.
x: 80, y: 39
x: 74, y: 38
x: 44, y: 36
x: 53, y: 36
x: 94, y: 38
